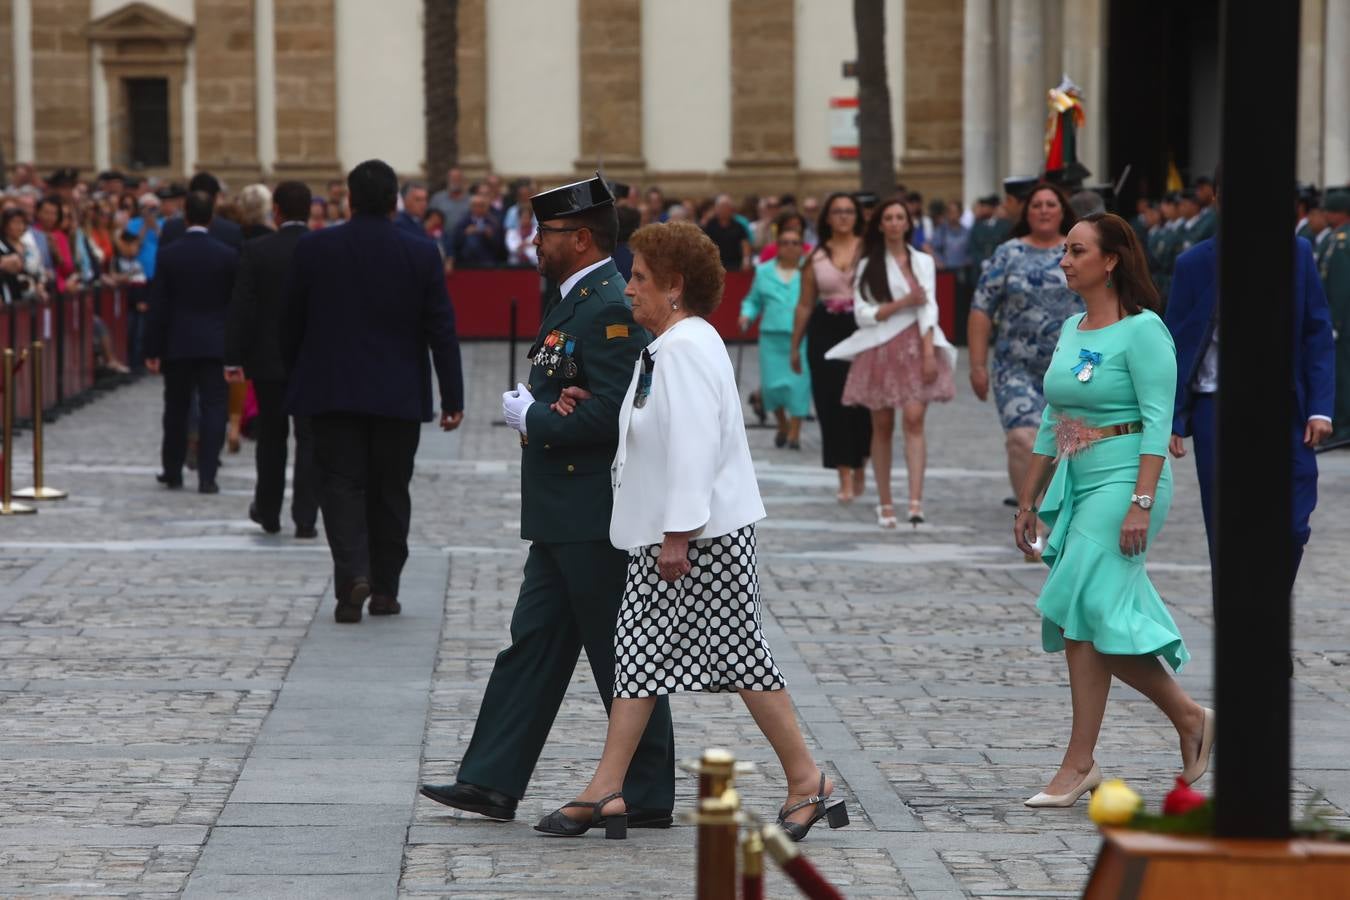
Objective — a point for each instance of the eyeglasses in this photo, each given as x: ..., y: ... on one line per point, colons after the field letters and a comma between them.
x: 547, y: 228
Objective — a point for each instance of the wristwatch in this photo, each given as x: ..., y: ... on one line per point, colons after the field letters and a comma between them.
x: 1143, y: 501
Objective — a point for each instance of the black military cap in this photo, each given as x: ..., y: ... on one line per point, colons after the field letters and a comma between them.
x: 621, y: 190
x: 1188, y: 194
x: 571, y: 199
x: 62, y: 178
x: 988, y: 199
x: 1337, y: 202
x: 111, y: 175
x: 1070, y: 177
x: 1020, y: 186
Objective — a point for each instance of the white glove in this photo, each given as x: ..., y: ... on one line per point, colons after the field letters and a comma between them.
x: 515, y: 405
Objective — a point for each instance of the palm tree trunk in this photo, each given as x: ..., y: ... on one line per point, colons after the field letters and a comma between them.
x: 440, y: 78
x: 876, y: 152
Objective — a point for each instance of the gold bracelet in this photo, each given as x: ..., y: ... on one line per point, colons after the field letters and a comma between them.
x: 1024, y: 509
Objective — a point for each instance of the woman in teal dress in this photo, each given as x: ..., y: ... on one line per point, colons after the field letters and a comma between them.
x: 1103, y: 436
x: 773, y: 295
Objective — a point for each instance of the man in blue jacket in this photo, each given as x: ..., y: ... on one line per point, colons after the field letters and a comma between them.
x: 1193, y: 317
x: 366, y: 301
x: 185, y: 339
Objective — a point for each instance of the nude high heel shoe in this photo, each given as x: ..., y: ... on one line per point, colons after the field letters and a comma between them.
x: 1090, y: 782
x: 1196, y: 770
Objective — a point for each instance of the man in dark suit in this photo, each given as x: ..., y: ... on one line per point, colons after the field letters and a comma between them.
x: 414, y: 210
x: 1193, y: 318
x: 223, y: 230
x: 185, y: 338
x: 253, y: 350
x: 365, y: 302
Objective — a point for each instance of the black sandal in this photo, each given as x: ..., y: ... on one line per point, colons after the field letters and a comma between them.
x: 835, y: 812
x: 560, y: 824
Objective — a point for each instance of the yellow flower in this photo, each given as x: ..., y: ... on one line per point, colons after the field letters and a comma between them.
x: 1114, y: 803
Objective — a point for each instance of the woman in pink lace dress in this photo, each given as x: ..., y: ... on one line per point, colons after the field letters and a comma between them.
x: 901, y: 358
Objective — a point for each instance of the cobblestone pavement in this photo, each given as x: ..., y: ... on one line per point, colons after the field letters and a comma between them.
x: 179, y: 714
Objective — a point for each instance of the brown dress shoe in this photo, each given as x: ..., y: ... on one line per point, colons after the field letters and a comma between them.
x: 349, y: 611
x: 384, y: 606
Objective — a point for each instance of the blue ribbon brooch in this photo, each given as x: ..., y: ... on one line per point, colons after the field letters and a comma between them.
x: 1088, y: 361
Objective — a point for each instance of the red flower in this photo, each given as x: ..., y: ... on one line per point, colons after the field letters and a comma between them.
x: 1182, y: 800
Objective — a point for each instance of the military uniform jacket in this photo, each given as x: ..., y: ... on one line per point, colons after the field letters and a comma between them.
x: 1334, y: 265
x: 588, y: 339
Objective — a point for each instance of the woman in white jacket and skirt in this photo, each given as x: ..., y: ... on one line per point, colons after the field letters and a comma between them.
x: 901, y: 358
x: 685, y: 507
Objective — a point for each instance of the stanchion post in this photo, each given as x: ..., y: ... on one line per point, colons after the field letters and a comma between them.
x: 7, y: 506
x: 718, y: 806
x: 511, y: 346
x: 38, y: 491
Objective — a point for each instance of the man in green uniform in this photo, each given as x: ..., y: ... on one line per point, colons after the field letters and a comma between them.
x: 574, y: 578
x: 986, y: 233
x: 1334, y: 263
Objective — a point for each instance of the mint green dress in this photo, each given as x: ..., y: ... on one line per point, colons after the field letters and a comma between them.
x: 1094, y: 592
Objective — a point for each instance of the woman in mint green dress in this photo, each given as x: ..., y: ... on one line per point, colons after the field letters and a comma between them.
x: 773, y: 296
x: 1104, y: 436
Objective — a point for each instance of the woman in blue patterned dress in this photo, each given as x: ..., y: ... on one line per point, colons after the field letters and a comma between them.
x: 1023, y: 291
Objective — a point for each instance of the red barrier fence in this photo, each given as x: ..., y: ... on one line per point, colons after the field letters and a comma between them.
x: 482, y: 301
x: 65, y: 325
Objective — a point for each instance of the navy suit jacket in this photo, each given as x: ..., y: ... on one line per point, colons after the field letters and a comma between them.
x: 190, y: 298
x: 365, y: 302
x: 1191, y: 318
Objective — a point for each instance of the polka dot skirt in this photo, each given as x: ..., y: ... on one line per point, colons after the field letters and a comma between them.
x: 701, y: 633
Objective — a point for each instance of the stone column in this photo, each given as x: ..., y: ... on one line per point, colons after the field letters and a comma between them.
x: 471, y: 58
x: 265, y: 81
x: 227, y: 141
x: 1084, y: 59
x: 979, y: 114
x: 306, y: 90
x: 1336, y: 95
x: 763, y: 94
x: 1026, y: 93
x: 931, y: 159
x: 611, y: 87
x: 62, y: 95
x: 7, y: 83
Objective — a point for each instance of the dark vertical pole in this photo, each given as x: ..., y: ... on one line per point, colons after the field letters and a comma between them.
x: 511, y: 345
x: 1259, y: 70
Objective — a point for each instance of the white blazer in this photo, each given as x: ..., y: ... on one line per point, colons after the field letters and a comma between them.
x: 683, y: 463
x: 872, y: 333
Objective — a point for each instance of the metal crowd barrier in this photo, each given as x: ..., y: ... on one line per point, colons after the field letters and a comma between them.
x: 64, y: 324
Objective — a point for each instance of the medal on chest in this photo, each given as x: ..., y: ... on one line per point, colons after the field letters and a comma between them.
x: 1088, y: 361
x: 554, y: 354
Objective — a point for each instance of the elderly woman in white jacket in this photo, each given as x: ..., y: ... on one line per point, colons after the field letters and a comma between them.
x: 901, y: 358
x: 685, y: 506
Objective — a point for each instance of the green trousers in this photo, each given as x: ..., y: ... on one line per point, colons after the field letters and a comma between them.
x: 569, y: 600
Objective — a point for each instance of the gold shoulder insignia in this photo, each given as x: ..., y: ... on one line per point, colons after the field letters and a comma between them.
x: 585, y: 292
x: 615, y: 331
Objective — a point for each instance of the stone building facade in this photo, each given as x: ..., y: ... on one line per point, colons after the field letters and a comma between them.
x: 693, y: 95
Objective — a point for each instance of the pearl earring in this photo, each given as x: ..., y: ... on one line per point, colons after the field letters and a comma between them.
x: 673, y: 304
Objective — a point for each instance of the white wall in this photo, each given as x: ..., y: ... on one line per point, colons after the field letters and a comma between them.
x: 379, y: 83
x: 533, y: 86
x: 179, y: 9
x: 825, y: 41
x: 686, y: 85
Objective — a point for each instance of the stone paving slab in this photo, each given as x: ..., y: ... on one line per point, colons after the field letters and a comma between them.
x: 178, y: 712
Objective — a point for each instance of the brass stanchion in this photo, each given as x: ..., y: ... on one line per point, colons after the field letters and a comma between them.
x: 717, y: 826
x: 752, y: 865
x: 38, y: 491
x: 7, y: 507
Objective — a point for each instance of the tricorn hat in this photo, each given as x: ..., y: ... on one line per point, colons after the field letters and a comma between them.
x: 1337, y: 202
x: 571, y: 199
x: 1020, y: 186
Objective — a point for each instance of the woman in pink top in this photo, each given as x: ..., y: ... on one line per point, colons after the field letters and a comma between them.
x: 825, y: 317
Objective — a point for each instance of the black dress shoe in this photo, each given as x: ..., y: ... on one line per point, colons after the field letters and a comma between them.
x: 271, y: 526
x: 472, y: 798
x: 306, y: 532
x: 650, y: 818
x: 348, y: 611
x: 208, y: 487
x: 381, y: 605
x: 172, y: 484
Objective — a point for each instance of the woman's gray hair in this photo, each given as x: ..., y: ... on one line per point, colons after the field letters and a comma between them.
x: 255, y: 204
